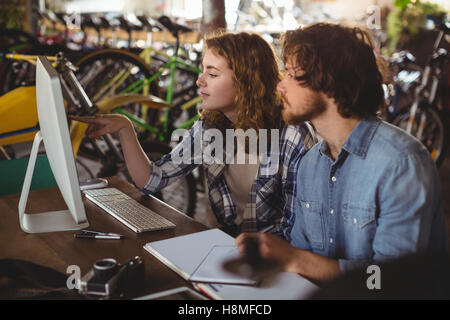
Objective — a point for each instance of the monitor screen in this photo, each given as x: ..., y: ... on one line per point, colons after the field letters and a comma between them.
x: 54, y: 132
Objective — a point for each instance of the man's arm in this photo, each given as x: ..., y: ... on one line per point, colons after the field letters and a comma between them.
x: 410, y: 217
x: 410, y: 209
x: 310, y: 265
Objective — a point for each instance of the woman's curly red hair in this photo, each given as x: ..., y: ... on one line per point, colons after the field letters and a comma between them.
x: 256, y: 76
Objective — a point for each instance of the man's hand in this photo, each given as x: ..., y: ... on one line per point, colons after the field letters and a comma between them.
x: 271, y: 247
x: 308, y: 264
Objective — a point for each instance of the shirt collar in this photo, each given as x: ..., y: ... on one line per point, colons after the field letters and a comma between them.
x: 359, y: 139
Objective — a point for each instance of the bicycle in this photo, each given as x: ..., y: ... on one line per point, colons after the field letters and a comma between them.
x: 103, y: 73
x: 399, y: 90
x: 424, y: 119
x: 100, y: 62
x: 22, y: 129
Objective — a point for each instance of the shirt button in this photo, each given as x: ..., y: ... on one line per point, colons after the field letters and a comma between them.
x: 307, y: 205
x: 354, y: 221
x: 331, y: 211
x: 333, y: 179
x: 331, y: 240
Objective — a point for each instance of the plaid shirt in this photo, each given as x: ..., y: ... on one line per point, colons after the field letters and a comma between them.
x: 271, y: 201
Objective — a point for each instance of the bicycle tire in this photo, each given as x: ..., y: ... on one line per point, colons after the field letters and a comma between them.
x: 112, y: 56
x: 108, y: 162
x: 435, y: 136
x: 184, y: 89
x: 185, y: 187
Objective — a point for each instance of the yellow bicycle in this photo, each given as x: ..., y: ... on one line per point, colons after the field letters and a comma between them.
x: 18, y: 111
x: 18, y: 114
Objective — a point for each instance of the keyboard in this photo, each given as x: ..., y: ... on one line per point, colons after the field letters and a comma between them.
x: 127, y: 210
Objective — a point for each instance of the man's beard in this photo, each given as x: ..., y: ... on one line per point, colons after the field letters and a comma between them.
x: 312, y: 107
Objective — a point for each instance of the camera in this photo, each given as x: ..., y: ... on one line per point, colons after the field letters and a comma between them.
x: 109, y: 278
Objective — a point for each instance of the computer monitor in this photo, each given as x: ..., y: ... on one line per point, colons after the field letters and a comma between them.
x: 54, y: 132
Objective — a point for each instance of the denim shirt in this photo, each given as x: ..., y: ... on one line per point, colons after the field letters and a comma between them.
x: 378, y: 200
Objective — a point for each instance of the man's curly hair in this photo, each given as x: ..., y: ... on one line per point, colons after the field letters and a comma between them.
x: 338, y: 61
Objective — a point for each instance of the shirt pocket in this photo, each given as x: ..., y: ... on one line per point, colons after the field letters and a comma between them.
x: 314, y: 223
x: 359, y: 222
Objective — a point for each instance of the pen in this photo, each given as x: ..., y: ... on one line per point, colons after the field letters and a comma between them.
x: 99, y: 236
x: 100, y: 233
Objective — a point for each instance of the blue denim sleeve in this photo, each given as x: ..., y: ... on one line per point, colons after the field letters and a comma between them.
x: 410, y: 217
x: 410, y: 209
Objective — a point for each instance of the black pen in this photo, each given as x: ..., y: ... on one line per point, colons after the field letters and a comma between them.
x: 99, y: 236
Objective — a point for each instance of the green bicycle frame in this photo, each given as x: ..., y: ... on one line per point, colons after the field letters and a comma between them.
x: 139, y: 85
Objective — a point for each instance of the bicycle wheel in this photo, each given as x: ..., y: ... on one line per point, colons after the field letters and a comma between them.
x: 108, y: 72
x: 182, y: 194
x: 95, y: 72
x: 83, y: 170
x: 429, y: 128
x: 184, y: 90
x: 14, y: 74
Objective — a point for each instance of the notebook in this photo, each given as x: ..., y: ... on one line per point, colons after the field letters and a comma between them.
x: 199, y: 256
x: 211, y: 268
x: 281, y: 286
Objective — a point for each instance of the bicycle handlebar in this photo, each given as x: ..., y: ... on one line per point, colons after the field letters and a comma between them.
x: 439, y: 22
x: 402, y: 58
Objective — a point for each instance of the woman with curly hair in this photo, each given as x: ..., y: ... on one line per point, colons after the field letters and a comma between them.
x: 238, y: 86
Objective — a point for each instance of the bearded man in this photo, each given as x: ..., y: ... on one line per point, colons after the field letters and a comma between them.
x: 368, y: 192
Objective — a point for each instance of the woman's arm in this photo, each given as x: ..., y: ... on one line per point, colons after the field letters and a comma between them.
x: 138, y: 165
x: 148, y: 176
x: 137, y: 162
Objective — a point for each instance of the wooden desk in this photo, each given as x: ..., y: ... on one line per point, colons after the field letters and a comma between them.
x: 58, y: 250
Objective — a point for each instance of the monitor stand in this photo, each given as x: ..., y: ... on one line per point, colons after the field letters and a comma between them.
x: 47, y: 221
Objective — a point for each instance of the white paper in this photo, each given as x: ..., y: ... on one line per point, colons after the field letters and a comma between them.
x: 281, y: 286
x: 185, y: 253
x: 211, y: 269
